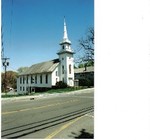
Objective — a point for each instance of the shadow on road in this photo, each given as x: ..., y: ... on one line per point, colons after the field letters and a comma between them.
x: 83, y: 135
x: 17, y: 132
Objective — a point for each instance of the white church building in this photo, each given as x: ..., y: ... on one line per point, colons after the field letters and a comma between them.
x: 45, y: 75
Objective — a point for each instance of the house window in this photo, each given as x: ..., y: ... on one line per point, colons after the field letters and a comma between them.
x: 62, y: 69
x: 70, y: 69
x: 41, y: 79
x: 20, y: 88
x: 23, y: 88
x: 46, y: 78
x: 62, y: 58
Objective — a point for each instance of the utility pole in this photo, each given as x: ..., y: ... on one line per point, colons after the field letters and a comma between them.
x: 5, y: 64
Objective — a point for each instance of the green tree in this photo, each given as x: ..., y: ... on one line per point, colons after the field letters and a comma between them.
x: 81, y: 65
x: 22, y: 69
x: 87, y: 64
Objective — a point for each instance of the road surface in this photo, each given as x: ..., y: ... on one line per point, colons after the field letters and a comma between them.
x: 62, y: 116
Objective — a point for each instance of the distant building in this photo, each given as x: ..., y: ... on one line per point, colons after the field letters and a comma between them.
x: 45, y: 75
x: 85, y: 75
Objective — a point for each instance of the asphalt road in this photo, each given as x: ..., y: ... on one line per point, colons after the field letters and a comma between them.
x: 62, y: 116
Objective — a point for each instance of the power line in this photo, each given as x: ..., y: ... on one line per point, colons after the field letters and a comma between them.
x: 11, y: 19
x: 2, y: 43
x: 5, y: 62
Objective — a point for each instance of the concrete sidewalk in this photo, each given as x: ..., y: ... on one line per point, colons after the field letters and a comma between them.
x: 45, y: 95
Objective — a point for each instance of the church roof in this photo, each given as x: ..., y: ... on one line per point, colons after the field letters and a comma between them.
x: 44, y: 67
x: 83, y: 70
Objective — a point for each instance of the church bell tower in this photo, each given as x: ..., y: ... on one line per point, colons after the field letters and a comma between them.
x: 66, y: 66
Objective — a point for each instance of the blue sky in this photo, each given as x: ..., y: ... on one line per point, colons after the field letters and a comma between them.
x: 37, y: 28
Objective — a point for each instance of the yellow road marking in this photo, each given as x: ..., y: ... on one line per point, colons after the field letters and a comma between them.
x: 89, y: 115
x: 39, y: 107
x: 62, y: 128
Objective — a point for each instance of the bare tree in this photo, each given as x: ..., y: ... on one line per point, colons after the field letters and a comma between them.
x: 86, y: 46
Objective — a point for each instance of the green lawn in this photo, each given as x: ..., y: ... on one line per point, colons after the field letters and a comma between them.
x: 10, y: 96
x: 51, y: 91
x: 64, y: 90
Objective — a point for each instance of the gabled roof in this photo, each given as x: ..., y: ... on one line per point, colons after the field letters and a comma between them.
x: 82, y: 70
x: 44, y: 67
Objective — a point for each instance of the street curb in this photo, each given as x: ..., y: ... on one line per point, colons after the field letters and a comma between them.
x: 32, y: 97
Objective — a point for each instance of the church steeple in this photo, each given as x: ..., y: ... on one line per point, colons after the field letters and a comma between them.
x: 65, y: 37
x: 66, y: 65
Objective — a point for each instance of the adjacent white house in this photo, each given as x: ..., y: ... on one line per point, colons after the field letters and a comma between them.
x: 46, y: 74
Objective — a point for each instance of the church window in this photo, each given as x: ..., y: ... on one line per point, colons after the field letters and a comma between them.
x: 27, y: 79
x: 35, y: 79
x: 70, y: 69
x: 23, y: 80
x: 20, y: 88
x: 56, y: 73
x: 62, y: 69
x: 46, y: 78
x: 20, y: 80
x: 32, y: 80
x: 41, y: 79
x: 63, y: 47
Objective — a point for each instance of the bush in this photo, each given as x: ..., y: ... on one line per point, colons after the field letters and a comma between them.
x: 61, y: 84
x: 84, y: 82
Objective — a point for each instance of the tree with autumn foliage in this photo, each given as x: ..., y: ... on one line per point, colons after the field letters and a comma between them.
x: 11, y: 80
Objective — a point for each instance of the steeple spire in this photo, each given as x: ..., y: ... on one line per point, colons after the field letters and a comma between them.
x: 65, y: 37
x: 65, y: 30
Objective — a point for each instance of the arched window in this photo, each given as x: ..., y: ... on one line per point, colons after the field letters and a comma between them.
x: 70, y: 69
x: 62, y: 69
x: 56, y: 73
